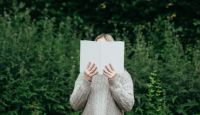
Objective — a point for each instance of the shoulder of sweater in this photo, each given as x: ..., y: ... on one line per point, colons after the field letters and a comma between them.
x: 125, y: 76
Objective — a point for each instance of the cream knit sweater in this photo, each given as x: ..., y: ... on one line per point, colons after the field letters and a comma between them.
x: 103, y: 96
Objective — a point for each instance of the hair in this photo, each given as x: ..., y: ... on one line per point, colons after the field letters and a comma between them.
x: 107, y: 37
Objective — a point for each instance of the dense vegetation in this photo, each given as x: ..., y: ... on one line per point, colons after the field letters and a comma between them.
x: 39, y: 53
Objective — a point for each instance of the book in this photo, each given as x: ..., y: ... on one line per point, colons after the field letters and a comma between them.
x: 102, y: 54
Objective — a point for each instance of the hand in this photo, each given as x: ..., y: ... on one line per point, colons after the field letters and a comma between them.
x: 90, y: 71
x: 109, y: 71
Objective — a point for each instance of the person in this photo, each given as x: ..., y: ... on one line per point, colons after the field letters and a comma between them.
x: 108, y: 94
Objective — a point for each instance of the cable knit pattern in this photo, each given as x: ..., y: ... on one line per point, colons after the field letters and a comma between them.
x: 103, y: 96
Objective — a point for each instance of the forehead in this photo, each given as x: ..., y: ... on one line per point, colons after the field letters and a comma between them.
x: 101, y: 39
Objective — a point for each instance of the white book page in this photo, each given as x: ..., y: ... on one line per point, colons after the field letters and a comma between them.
x: 89, y: 52
x: 113, y: 53
x: 102, y: 53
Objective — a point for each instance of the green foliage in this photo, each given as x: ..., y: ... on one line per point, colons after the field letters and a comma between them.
x: 39, y: 62
x: 105, y: 15
x: 155, y: 97
x: 176, y: 73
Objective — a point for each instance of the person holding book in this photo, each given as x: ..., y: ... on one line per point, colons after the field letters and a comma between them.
x: 110, y: 93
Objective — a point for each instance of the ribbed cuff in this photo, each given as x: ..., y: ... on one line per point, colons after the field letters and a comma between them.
x: 85, y: 83
x: 113, y: 82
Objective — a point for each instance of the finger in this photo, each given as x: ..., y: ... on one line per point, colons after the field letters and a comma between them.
x: 86, y: 73
x: 111, y: 67
x: 107, y: 75
x: 93, y: 69
x: 94, y: 73
x: 108, y: 69
x: 92, y: 65
x: 105, y: 71
x: 88, y: 65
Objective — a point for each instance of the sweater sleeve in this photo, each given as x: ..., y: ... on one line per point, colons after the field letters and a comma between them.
x: 122, y: 91
x: 79, y: 96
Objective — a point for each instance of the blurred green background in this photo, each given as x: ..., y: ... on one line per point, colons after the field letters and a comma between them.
x: 39, y: 52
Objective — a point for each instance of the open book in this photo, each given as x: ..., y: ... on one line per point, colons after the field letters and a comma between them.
x: 102, y: 53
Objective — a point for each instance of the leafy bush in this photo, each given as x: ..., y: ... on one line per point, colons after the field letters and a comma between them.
x: 155, y: 96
